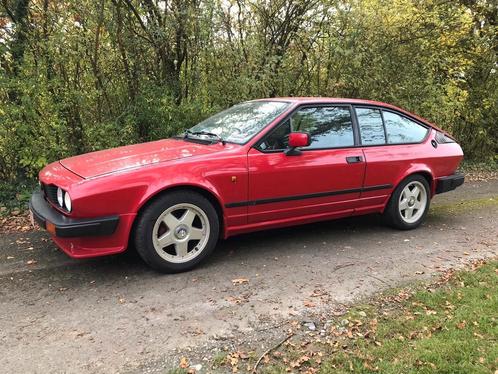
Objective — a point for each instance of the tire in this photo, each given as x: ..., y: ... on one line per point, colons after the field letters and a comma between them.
x: 177, y: 231
x: 405, y: 196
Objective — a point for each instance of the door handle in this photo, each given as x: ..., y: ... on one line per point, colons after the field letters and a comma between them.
x: 354, y: 159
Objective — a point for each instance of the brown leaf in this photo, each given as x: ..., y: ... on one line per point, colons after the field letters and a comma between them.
x: 31, y: 262
x: 318, y: 293
x: 234, y: 300
x: 461, y: 325
x: 240, y: 281
x: 243, y: 355
x: 370, y: 367
x: 184, y: 363
x: 309, y: 304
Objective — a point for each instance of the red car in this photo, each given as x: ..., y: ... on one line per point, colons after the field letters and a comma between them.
x: 260, y: 164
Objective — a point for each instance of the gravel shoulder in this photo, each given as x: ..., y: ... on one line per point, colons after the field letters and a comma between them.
x: 115, y: 315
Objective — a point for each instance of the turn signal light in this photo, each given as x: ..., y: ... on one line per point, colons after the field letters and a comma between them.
x: 50, y: 227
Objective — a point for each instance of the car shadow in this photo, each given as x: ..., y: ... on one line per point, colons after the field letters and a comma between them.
x: 242, y: 246
x: 128, y: 266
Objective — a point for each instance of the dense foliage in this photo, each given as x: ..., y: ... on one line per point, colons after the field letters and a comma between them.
x: 80, y: 75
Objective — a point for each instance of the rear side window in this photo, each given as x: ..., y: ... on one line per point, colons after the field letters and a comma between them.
x: 401, y: 130
x: 371, y: 126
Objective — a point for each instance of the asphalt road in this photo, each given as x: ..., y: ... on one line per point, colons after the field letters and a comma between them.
x: 115, y: 315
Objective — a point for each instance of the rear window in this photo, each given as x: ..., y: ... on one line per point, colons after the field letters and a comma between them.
x: 401, y: 130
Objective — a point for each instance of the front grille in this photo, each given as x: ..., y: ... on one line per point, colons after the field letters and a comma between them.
x: 50, y: 192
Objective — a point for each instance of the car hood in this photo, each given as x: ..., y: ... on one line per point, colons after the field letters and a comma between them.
x: 132, y: 156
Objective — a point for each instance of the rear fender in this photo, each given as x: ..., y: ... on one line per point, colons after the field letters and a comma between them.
x: 418, y: 168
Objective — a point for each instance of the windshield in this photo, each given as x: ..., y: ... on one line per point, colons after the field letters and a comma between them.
x: 241, y: 122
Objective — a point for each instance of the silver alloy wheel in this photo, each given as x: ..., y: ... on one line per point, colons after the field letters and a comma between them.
x: 180, y: 233
x: 412, y: 202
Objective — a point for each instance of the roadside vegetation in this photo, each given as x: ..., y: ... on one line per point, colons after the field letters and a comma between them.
x: 81, y: 75
x: 449, y: 326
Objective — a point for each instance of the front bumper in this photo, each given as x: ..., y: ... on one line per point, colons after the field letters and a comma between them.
x: 449, y: 183
x: 62, y: 226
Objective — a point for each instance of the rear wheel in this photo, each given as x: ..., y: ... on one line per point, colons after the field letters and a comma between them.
x: 177, y: 231
x: 409, y: 203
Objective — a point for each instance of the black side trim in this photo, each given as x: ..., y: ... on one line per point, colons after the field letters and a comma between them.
x: 449, y: 183
x: 307, y: 196
x: 66, y: 227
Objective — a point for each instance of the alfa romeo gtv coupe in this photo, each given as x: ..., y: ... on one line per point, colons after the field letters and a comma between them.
x: 258, y: 165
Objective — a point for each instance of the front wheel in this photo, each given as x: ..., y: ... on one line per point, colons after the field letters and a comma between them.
x: 177, y: 231
x: 409, y: 203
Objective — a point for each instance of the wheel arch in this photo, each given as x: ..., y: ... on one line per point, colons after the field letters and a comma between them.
x: 205, y: 192
x: 423, y: 171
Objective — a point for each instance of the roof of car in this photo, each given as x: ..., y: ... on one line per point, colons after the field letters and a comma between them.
x: 342, y: 100
x: 321, y: 99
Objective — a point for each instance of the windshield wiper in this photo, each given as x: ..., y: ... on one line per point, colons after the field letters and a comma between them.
x: 206, y: 133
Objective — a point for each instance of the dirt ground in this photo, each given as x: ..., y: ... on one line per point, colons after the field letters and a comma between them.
x: 115, y: 315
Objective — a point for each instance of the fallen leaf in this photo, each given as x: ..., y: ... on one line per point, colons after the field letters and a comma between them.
x: 318, y: 293
x: 309, y: 304
x: 240, y: 281
x: 31, y: 262
x: 370, y: 367
x: 184, y: 363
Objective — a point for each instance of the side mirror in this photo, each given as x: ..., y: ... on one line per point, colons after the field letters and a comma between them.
x: 296, y: 140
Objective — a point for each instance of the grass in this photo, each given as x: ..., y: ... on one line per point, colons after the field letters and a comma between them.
x: 452, y: 328
x: 479, y: 166
x: 464, y: 205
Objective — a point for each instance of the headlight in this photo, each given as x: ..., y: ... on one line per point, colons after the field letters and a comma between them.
x: 60, y: 197
x: 67, y: 201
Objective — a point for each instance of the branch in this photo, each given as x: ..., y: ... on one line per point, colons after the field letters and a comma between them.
x: 254, y: 370
x: 8, y: 11
x: 139, y: 19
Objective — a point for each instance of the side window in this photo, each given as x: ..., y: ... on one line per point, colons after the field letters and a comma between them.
x: 278, y: 139
x: 402, y: 130
x: 329, y: 127
x: 371, y: 126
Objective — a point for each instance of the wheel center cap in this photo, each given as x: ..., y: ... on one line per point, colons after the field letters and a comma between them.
x: 181, y: 232
x: 411, y: 202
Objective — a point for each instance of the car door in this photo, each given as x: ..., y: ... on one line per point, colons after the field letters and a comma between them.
x: 390, y: 144
x: 324, y: 179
